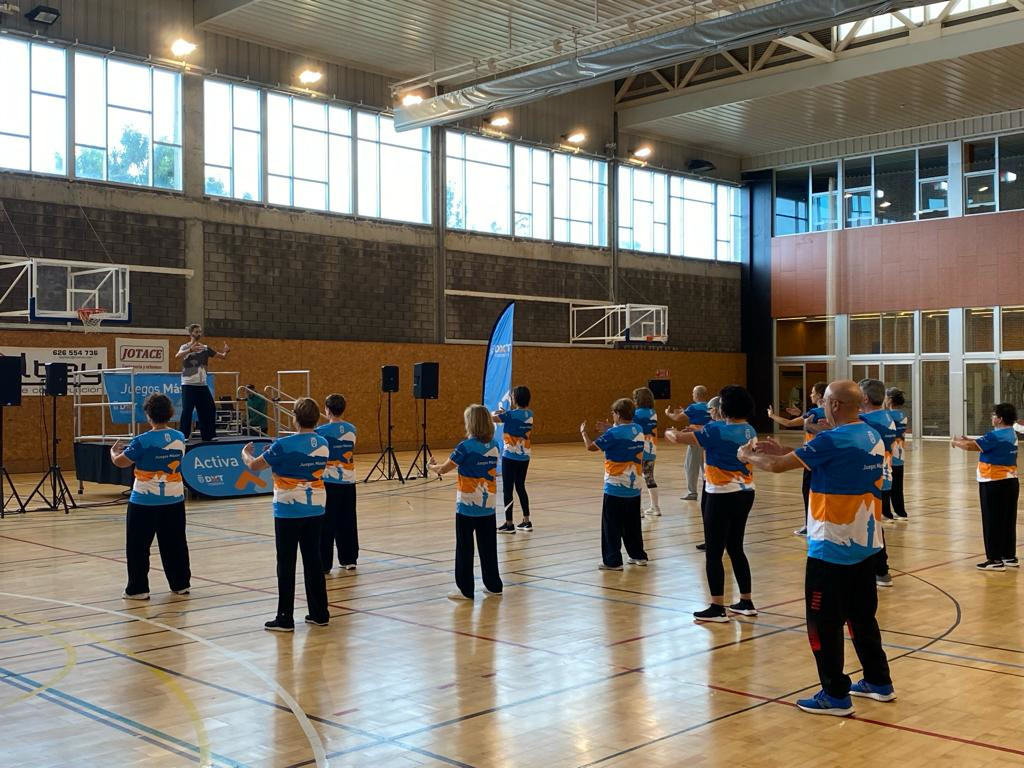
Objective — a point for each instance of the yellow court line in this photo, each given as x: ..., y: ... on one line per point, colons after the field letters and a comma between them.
x: 315, y: 743
x: 71, y: 660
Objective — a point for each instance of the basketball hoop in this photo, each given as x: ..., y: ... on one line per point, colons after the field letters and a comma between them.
x: 91, y: 318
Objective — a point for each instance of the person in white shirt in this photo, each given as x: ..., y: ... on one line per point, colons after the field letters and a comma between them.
x: 195, y: 390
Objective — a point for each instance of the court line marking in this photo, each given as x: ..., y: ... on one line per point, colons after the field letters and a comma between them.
x: 70, y: 661
x: 319, y: 753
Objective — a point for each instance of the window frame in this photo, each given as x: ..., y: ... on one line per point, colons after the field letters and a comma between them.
x: 66, y: 98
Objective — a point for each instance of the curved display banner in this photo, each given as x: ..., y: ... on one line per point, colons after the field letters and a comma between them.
x: 117, y: 387
x: 217, y: 469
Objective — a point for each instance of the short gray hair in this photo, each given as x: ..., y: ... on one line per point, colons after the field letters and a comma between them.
x: 873, y: 389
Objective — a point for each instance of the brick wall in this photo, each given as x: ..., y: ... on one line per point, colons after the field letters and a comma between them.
x: 53, y: 231
x: 268, y: 282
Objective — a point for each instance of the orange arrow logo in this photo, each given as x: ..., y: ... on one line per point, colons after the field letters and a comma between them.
x: 248, y: 478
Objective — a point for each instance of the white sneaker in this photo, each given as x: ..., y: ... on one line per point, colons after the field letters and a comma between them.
x: 184, y: 591
x: 656, y: 512
x: 457, y: 595
x: 139, y: 596
x: 491, y: 594
x: 349, y: 567
x: 633, y: 561
x: 800, y: 531
x: 649, y: 512
x: 603, y: 567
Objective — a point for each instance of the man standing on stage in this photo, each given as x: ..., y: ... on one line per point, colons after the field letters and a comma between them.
x: 195, y: 391
x: 844, y: 535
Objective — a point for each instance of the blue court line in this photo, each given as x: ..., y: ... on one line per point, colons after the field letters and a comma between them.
x: 76, y: 704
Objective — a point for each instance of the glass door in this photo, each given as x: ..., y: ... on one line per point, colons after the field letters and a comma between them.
x: 901, y: 376
x: 979, y: 396
x: 792, y: 390
x: 860, y: 371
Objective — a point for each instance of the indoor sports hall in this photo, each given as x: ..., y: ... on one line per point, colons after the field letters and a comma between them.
x: 591, y: 383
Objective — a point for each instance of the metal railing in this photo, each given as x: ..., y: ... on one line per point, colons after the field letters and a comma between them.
x: 82, y: 402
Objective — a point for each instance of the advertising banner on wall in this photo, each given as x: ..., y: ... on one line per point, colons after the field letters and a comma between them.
x: 118, y: 386
x: 34, y: 360
x: 141, y: 354
x: 217, y: 469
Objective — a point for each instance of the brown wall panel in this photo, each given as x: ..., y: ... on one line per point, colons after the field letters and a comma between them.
x: 960, y: 262
x: 568, y: 384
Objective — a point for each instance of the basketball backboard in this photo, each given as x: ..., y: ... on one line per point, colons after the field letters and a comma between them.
x: 55, y: 290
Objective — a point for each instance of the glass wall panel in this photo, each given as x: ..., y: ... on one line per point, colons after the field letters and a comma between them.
x: 979, y: 163
x: 933, y: 182
x: 824, y: 197
x: 900, y: 375
x: 1011, y: 320
x: 1011, y: 172
x: 800, y: 337
x: 895, y: 187
x: 897, y: 333
x: 934, y: 332
x: 865, y: 334
x: 791, y: 201
x: 392, y: 170
x: 1011, y: 382
x: 858, y: 202
x: 533, y: 192
x: 478, y: 178
x: 935, y: 398
x: 978, y: 330
x: 979, y: 397
x: 232, y: 140
x: 581, y: 200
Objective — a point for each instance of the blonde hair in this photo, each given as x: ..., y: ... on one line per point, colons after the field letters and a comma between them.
x: 479, y: 423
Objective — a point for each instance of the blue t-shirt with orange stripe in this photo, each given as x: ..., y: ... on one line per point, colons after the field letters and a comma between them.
x: 845, y: 521
x: 723, y: 471
x: 341, y: 440
x: 647, y: 420
x: 157, y: 455
x: 477, y: 486
x: 998, y: 460
x: 623, y: 446
x: 298, y: 462
x: 697, y: 413
x: 882, y: 422
x: 516, y: 435
x: 816, y: 414
x: 899, y: 444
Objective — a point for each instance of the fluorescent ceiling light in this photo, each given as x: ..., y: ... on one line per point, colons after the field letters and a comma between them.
x: 411, y: 99
x: 308, y: 77
x: 182, y: 48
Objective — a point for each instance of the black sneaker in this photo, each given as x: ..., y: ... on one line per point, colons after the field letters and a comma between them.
x: 1011, y: 562
x: 279, y: 625
x: 316, y: 623
x: 991, y: 565
x: 506, y: 527
x: 702, y: 546
x: 526, y: 525
x: 713, y: 612
x: 744, y: 608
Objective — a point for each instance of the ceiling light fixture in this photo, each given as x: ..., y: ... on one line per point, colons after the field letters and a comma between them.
x: 500, y: 121
x: 411, y: 99
x: 642, y: 152
x: 43, y: 14
x: 308, y: 77
x: 880, y: 193
x: 576, y: 137
x: 885, y: 204
x: 983, y: 189
x: 182, y: 48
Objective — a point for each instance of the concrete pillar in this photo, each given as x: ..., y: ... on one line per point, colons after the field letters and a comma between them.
x: 437, y: 185
x: 195, y: 259
x: 193, y: 168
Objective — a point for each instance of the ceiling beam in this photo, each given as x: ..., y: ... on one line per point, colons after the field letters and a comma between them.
x: 212, y: 10
x: 953, y: 43
x: 801, y: 45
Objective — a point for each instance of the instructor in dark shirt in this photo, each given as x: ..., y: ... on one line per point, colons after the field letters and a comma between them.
x: 195, y: 390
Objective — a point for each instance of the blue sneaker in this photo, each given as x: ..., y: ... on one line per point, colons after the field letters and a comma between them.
x: 823, y: 704
x: 870, y: 691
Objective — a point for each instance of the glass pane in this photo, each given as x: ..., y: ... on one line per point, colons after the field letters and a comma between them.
x: 1012, y: 322
x: 859, y: 209
x: 541, y: 165
x: 166, y: 166
x: 309, y: 114
x: 455, y: 193
x: 309, y: 194
x: 1011, y: 381
x: 825, y: 211
x: 979, y: 397
x: 643, y: 227
x: 487, y: 192
x: 1011, y: 172
x: 581, y: 233
x: 857, y: 172
x: 217, y: 124
x: 14, y: 153
x: 523, y: 225
x: 49, y: 72
x: 90, y: 104
x: 524, y: 189
x: 246, y: 108
x: 128, y: 148
x: 340, y: 121
x: 897, y: 332
x: 310, y: 155
x: 49, y: 134
x: 340, y: 174
x: 899, y: 375
x: 934, y: 199
x: 860, y: 371
x: 366, y: 124
x: 933, y: 162
x: 218, y: 181
x: 561, y: 186
x: 698, y: 230
x: 128, y: 85
x: 279, y: 135
x: 895, y: 187
x: 14, y: 88
x: 934, y: 332
x: 805, y: 336
x: 935, y: 398
x: 661, y: 198
x: 580, y: 201
x: 980, y: 193
x: 825, y: 178
x: 675, y: 217
x: 791, y: 201
x: 791, y: 390
x: 279, y: 190
x: 415, y: 139
x: 166, y: 107
x: 978, y: 334
x: 487, y: 150
x: 865, y: 335
x: 404, y: 175
x: 247, y: 165
x: 541, y: 211
x: 367, y: 174
x: 90, y: 163
x: 979, y: 155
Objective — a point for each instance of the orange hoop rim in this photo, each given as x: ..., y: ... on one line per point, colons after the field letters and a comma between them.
x: 87, y: 316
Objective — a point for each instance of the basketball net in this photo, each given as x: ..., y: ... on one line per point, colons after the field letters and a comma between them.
x: 91, y: 318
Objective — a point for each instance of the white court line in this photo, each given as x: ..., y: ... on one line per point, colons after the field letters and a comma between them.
x: 319, y: 753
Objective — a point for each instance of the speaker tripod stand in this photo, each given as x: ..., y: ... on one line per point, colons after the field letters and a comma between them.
x: 60, y: 494
x: 5, y: 479
x: 387, y: 463
x: 423, y: 453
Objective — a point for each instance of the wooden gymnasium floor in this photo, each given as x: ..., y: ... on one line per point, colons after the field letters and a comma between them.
x: 572, y: 667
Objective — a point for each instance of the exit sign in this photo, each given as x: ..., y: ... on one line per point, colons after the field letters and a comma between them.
x: 661, y: 373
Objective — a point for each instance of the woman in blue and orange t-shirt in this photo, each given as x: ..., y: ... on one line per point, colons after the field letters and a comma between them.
x: 729, y: 484
x: 998, y: 487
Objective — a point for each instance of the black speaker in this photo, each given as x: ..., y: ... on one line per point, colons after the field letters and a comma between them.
x: 56, y: 379
x: 424, y: 381
x: 10, y: 380
x: 660, y: 388
x: 389, y: 378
